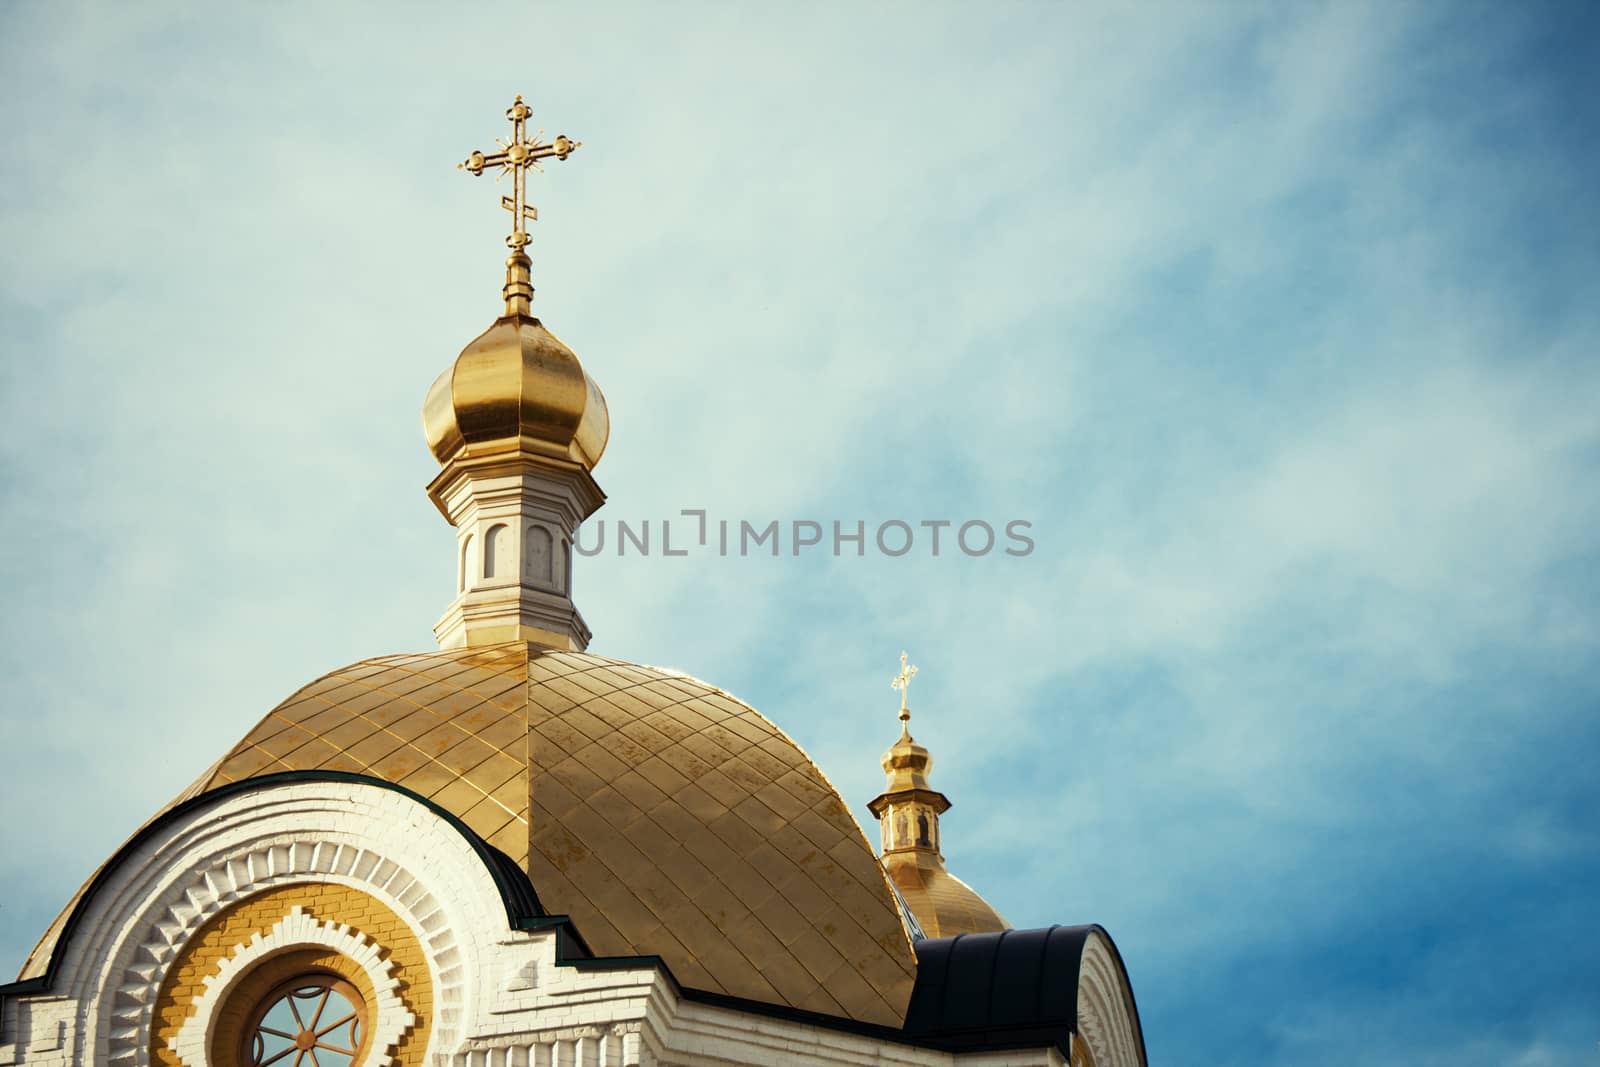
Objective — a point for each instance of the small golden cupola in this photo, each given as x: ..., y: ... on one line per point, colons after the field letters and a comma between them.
x: 908, y: 813
x: 518, y: 426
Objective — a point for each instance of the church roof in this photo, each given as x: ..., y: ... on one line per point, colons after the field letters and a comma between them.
x: 1024, y: 989
x: 661, y: 814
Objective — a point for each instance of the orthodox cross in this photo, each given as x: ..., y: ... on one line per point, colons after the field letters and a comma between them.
x: 517, y: 155
x: 902, y: 682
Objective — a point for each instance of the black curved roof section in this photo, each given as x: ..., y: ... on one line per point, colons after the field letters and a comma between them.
x: 523, y: 910
x: 1012, y: 989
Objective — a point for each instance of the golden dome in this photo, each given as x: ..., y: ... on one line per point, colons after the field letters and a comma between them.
x: 516, y: 387
x: 661, y: 814
x: 943, y: 904
x: 907, y: 764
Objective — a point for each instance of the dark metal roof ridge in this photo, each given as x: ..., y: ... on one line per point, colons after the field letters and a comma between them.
x: 1007, y: 989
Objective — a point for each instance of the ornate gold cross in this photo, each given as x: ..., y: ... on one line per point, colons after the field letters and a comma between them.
x: 902, y: 682
x: 517, y: 155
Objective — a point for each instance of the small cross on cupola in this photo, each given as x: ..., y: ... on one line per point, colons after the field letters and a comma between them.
x: 518, y: 154
x: 902, y: 682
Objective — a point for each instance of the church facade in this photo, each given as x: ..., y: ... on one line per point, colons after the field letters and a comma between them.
x: 512, y: 851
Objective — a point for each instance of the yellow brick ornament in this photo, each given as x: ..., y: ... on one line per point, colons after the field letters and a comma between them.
x: 368, y: 925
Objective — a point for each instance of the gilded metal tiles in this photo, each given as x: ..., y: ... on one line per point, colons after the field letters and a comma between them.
x: 943, y: 904
x: 451, y: 726
x: 661, y: 805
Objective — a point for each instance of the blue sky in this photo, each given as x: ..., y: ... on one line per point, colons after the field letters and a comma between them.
x: 1278, y: 322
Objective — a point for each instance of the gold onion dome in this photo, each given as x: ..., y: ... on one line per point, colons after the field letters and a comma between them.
x: 516, y: 388
x: 908, y: 813
x: 907, y: 764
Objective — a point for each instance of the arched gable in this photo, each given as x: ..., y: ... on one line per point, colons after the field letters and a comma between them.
x: 215, y: 850
x: 1026, y: 989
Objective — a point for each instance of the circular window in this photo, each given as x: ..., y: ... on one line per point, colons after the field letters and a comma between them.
x: 312, y: 1020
